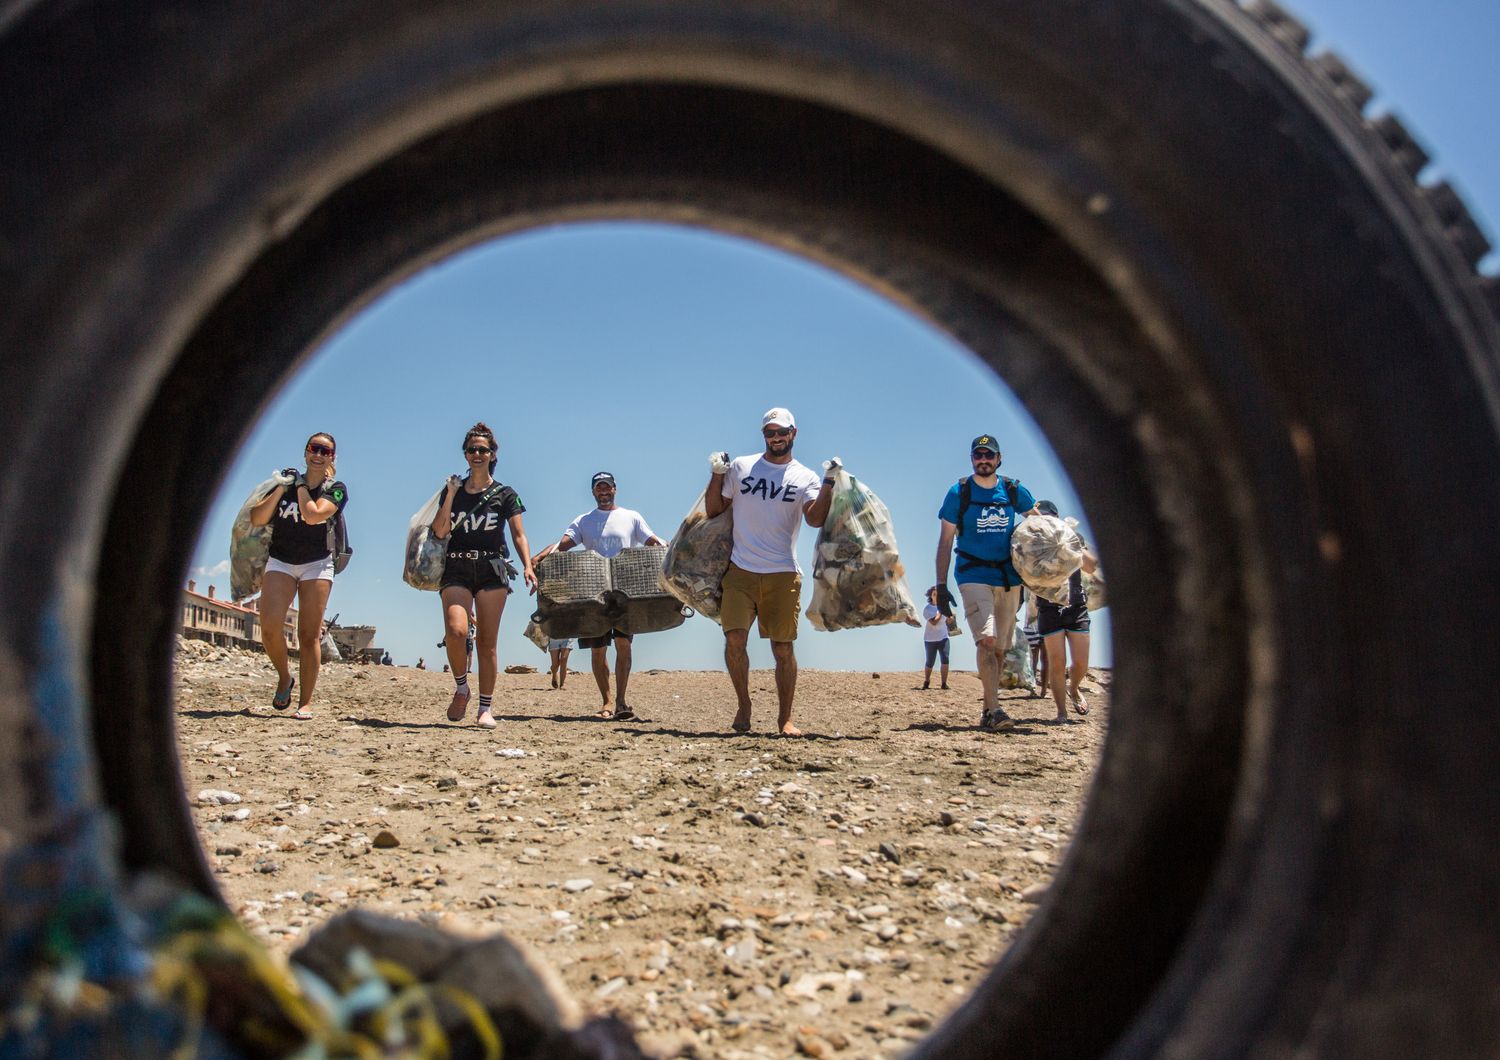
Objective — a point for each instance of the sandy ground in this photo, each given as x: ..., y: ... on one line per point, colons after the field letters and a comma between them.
x: 728, y: 895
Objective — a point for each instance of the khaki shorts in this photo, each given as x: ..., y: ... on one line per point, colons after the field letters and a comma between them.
x: 991, y: 611
x: 771, y: 599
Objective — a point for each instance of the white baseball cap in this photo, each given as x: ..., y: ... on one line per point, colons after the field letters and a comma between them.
x: 779, y: 418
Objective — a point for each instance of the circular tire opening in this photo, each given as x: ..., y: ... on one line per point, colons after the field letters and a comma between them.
x: 1114, y: 237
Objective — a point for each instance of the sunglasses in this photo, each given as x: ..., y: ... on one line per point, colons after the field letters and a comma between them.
x: 776, y: 432
x: 320, y: 450
x: 984, y: 454
x: 480, y: 450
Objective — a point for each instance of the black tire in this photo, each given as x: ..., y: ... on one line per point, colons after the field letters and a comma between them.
x: 1260, y: 347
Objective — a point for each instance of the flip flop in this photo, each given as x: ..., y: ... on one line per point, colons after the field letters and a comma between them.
x: 282, y: 700
x: 624, y: 714
x: 302, y: 714
x: 1080, y: 705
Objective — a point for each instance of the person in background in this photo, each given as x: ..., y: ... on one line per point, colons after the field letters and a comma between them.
x: 1034, y: 645
x: 975, y: 522
x: 1064, y: 629
x: 607, y: 530
x: 472, y: 519
x: 421, y: 664
x: 300, y: 566
x: 559, y: 648
x: 934, y: 638
x: 772, y: 495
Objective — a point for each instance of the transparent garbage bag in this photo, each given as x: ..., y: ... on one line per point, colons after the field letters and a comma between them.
x: 1016, y: 671
x: 698, y: 557
x: 1045, y: 551
x: 426, y: 553
x: 858, y: 579
x: 1094, y: 585
x: 250, y: 546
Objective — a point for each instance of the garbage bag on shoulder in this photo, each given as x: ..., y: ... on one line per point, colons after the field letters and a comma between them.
x: 858, y: 579
x: 426, y: 553
x: 1046, y: 551
x: 698, y: 557
x: 249, y: 545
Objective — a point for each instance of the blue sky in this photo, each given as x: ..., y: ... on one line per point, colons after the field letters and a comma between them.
x: 638, y: 349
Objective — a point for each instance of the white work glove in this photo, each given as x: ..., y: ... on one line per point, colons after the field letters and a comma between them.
x: 830, y: 466
x: 285, y: 477
x: 718, y: 463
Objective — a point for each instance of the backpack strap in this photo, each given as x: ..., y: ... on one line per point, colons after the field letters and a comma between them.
x: 966, y: 497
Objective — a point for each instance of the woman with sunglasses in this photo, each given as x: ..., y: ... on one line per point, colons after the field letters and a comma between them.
x: 472, y: 520
x: 300, y: 567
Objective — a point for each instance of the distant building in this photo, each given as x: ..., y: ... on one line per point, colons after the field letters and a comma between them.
x: 227, y: 624
x: 355, y: 642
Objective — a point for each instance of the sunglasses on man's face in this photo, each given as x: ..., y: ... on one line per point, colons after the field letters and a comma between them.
x: 320, y: 450
x: 983, y: 454
x: 477, y: 450
x: 776, y: 432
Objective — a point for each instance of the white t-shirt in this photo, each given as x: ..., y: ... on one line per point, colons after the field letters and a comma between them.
x: 767, y: 500
x: 608, y: 532
x: 932, y: 632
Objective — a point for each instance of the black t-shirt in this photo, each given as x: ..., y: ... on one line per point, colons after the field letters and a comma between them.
x: 481, y: 528
x: 292, y: 540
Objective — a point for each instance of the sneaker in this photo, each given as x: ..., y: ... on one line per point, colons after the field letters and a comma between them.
x: 458, y: 705
x: 996, y: 721
x: 486, y: 719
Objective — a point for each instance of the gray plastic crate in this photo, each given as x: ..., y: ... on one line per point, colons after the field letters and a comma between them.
x: 581, y: 594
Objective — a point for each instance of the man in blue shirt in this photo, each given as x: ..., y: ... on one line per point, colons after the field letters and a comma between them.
x: 981, y: 512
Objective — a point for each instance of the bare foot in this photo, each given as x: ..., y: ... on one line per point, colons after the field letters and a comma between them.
x: 741, y: 721
x: 791, y: 730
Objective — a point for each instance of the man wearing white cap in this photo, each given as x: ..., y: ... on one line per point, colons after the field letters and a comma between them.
x: 771, y: 494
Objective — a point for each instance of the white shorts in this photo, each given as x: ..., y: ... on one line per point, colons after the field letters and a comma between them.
x: 319, y: 570
x: 562, y: 644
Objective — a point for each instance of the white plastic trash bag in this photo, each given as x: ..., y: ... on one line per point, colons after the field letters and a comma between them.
x: 250, y: 546
x: 858, y: 579
x: 426, y: 553
x: 698, y: 557
x: 1045, y: 551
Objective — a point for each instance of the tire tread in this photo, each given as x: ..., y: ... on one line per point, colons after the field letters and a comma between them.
x: 1388, y: 137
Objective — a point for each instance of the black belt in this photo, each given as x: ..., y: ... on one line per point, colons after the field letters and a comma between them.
x: 474, y: 555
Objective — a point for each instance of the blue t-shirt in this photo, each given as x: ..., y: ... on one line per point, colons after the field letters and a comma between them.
x: 988, y: 524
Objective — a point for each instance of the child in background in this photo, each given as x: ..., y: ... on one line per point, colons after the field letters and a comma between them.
x: 558, y: 648
x: 934, y: 638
